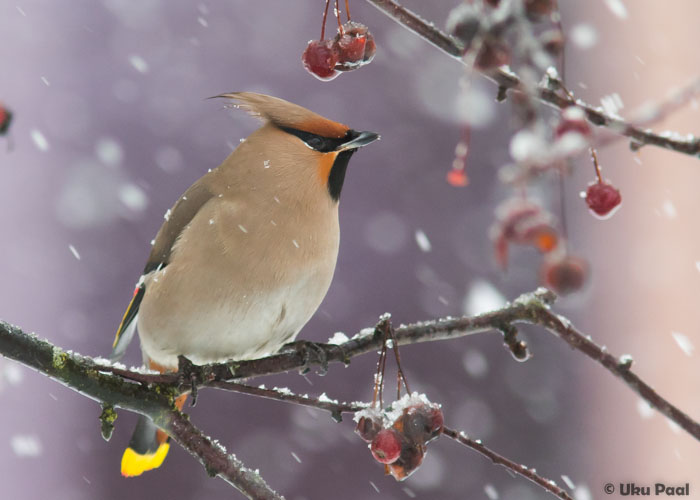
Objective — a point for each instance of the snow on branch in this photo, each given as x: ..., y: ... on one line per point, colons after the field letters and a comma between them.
x: 508, y: 80
x: 153, y: 395
x: 156, y: 401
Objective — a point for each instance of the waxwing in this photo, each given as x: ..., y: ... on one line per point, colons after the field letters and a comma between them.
x: 245, y: 256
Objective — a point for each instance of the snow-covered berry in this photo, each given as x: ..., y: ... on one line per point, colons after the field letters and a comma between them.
x: 421, y: 423
x: 367, y: 428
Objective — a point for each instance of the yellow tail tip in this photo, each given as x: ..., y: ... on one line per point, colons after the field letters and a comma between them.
x: 134, y: 464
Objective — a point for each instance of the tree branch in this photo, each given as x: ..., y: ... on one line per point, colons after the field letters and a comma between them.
x: 215, y: 460
x: 532, y: 308
x: 521, y: 470
x: 154, y: 395
x: 507, y: 80
x: 83, y: 375
x: 322, y: 403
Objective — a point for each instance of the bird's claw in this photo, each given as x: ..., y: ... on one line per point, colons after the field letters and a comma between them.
x: 311, y: 353
x: 187, y: 374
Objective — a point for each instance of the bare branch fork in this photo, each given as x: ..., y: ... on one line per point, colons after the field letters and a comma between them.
x: 507, y: 80
x: 154, y: 395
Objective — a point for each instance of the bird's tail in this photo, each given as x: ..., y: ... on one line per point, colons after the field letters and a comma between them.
x: 148, y: 447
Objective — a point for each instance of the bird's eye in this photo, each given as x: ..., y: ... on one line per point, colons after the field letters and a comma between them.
x: 315, y: 142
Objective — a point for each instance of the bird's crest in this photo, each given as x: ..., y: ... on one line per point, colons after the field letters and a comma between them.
x: 286, y: 114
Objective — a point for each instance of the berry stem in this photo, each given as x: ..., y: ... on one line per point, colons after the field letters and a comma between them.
x: 337, y: 16
x: 400, y: 375
x: 596, y: 165
x: 325, y: 16
x: 347, y: 9
x: 379, y: 378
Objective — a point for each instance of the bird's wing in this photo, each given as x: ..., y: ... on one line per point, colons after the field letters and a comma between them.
x: 176, y: 220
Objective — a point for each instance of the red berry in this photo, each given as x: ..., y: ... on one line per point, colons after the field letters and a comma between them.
x: 386, y: 446
x: 603, y: 199
x: 351, y: 44
x: 320, y: 58
x: 5, y: 119
x: 457, y: 178
x: 354, y: 45
x: 573, y: 119
x: 420, y: 423
x: 367, y: 428
x: 564, y: 275
x: 351, y: 49
x: 436, y: 422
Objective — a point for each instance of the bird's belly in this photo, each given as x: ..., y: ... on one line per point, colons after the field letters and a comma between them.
x: 229, y: 319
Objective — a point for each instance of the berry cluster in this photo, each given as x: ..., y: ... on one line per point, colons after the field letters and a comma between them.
x: 398, y: 437
x: 483, y: 33
x: 352, y: 47
x: 522, y: 222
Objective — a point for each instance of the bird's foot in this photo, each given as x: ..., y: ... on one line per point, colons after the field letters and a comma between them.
x: 187, y: 374
x: 312, y: 353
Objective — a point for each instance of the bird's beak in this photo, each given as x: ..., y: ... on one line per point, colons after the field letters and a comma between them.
x: 361, y: 139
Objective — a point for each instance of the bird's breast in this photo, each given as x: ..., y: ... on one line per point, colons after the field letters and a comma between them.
x: 240, y: 283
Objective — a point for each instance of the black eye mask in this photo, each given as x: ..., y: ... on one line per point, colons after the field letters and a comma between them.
x: 320, y: 143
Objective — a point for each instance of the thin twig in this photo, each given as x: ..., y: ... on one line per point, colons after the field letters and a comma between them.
x: 651, y: 113
x: 216, y: 461
x: 507, y: 80
x: 322, y: 403
x: 521, y: 470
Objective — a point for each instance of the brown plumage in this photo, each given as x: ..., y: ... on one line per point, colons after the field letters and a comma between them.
x: 247, y: 254
x: 286, y: 114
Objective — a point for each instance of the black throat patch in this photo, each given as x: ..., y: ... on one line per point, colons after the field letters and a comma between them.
x: 327, y: 145
x: 337, y: 175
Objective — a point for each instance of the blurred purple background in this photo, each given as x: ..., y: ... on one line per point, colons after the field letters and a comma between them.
x: 112, y: 126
